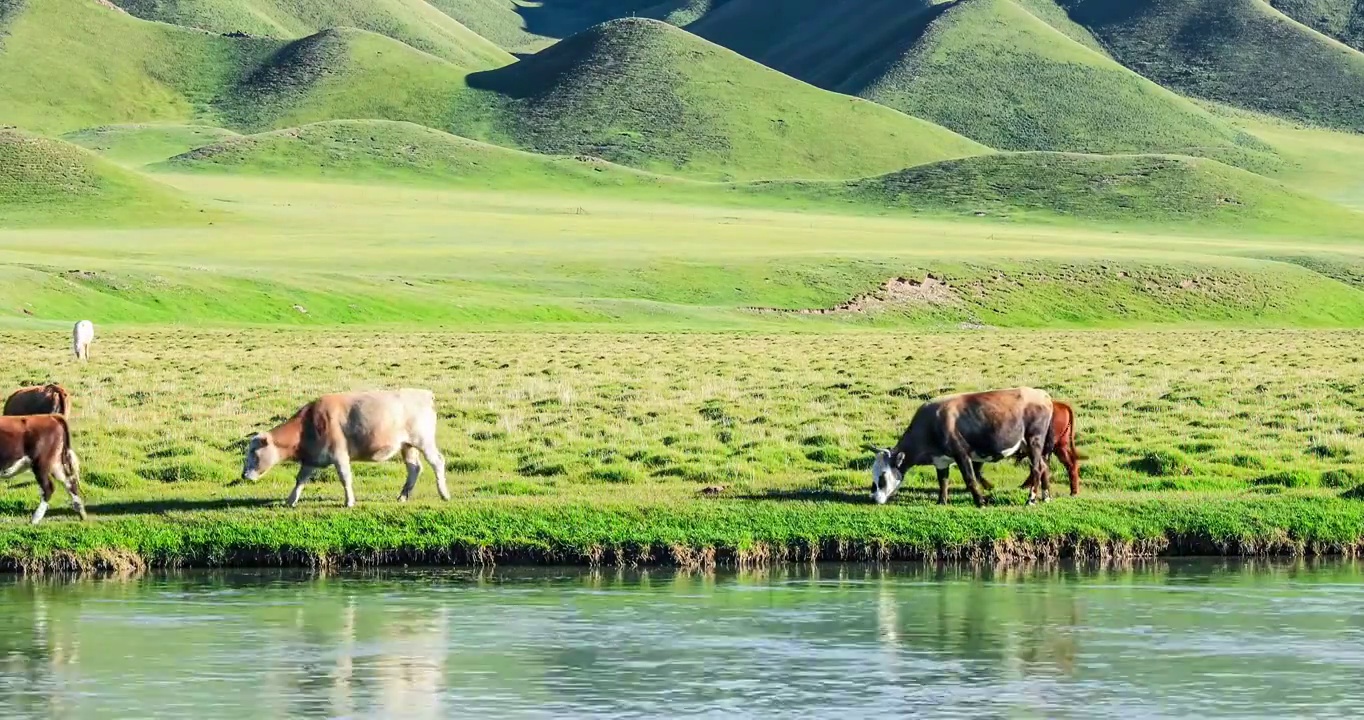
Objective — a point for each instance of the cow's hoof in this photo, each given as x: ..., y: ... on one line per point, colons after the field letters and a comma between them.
x: 402, y: 498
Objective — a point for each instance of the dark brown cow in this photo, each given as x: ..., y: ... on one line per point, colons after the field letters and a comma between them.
x: 969, y: 429
x: 1061, y: 443
x: 42, y: 443
x: 39, y: 400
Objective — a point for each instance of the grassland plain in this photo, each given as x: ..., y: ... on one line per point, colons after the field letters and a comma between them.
x: 578, y: 447
x: 481, y: 259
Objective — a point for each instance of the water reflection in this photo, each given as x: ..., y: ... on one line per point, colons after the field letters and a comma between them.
x: 1158, y: 639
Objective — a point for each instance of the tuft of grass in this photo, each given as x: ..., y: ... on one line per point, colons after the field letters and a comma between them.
x: 1162, y: 463
x: 1287, y: 479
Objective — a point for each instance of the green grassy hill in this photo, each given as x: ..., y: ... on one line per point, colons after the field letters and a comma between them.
x: 992, y: 71
x: 72, y: 64
x: 645, y: 94
x: 1340, y: 19
x: 1240, y: 52
x: 413, y: 22
x: 143, y: 144
x: 1133, y: 190
x: 396, y: 152
x: 50, y: 182
x: 524, y: 27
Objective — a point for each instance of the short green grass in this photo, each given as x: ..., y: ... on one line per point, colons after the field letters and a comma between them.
x: 992, y: 71
x: 498, y: 258
x: 564, y: 446
x: 1240, y: 52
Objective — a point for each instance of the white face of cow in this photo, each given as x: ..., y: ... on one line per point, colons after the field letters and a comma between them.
x: 261, y: 455
x: 885, y: 477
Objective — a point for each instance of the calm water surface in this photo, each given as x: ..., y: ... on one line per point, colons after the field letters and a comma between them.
x: 1176, y: 639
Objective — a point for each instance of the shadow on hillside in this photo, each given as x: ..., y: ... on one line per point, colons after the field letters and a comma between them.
x: 882, y: 53
x: 561, y: 18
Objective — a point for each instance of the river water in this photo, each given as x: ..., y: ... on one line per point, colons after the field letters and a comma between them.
x: 1179, y: 639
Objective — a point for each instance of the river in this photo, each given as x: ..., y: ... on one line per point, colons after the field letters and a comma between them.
x: 1201, y: 639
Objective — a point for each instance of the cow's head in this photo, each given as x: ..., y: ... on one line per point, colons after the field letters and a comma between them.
x: 261, y: 455
x: 886, y: 475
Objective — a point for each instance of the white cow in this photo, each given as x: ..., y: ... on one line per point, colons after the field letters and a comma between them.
x: 81, y: 337
x: 367, y: 426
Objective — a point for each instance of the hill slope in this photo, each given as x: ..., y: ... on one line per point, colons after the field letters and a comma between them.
x: 59, y: 72
x: 1340, y: 19
x: 992, y: 71
x: 44, y: 181
x: 1130, y: 189
x: 646, y: 94
x: 377, y: 150
x: 1240, y: 52
x: 142, y: 144
x: 413, y: 22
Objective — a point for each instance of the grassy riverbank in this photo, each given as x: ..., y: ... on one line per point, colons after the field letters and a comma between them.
x: 600, y: 447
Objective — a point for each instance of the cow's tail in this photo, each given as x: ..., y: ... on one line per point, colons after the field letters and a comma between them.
x: 63, y: 406
x: 70, y: 463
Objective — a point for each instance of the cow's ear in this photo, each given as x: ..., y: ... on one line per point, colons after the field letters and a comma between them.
x: 899, y: 459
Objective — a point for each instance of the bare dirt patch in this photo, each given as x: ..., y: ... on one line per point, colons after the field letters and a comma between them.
x: 895, y: 292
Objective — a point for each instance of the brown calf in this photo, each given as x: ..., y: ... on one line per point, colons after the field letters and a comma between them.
x: 42, y: 443
x: 1061, y: 443
x: 970, y: 429
x: 38, y: 400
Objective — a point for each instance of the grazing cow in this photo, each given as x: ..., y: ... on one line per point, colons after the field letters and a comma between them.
x: 1061, y: 443
x: 49, y: 399
x: 42, y: 443
x: 367, y: 426
x: 81, y: 337
x: 970, y: 429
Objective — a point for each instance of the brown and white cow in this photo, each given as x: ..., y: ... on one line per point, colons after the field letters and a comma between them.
x: 364, y: 426
x: 970, y: 429
x: 1061, y: 443
x: 38, y: 400
x: 43, y: 444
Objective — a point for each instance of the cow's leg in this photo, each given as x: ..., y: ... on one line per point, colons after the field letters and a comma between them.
x: 305, y: 473
x: 968, y: 474
x: 437, y: 463
x: 1070, y: 460
x: 980, y: 476
x: 44, y: 475
x: 412, y: 459
x: 1040, y: 472
x: 943, y: 473
x: 342, y: 463
x: 72, y: 488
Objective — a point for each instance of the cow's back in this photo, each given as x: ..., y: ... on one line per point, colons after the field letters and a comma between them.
x: 375, y: 420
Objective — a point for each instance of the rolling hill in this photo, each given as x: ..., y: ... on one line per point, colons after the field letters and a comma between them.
x: 1340, y: 19
x: 397, y: 152
x: 1128, y: 189
x: 992, y: 71
x: 648, y: 95
x: 50, y: 182
x: 412, y: 22
x: 142, y: 144
x: 1240, y: 52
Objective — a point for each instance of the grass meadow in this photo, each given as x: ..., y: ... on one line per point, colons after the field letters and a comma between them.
x: 693, y: 447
